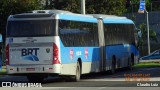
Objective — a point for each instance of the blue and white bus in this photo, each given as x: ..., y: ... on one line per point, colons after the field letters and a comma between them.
x: 54, y: 42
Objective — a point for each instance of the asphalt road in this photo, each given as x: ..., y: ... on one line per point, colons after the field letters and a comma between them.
x: 137, y: 78
x: 122, y: 78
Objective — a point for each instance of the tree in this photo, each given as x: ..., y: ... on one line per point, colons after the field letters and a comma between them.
x: 68, y: 5
x: 10, y: 7
x: 142, y: 40
x: 110, y: 7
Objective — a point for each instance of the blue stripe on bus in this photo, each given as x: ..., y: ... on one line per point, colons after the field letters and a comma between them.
x: 94, y: 53
x: 66, y: 57
x: 114, y: 20
x: 77, y: 18
x: 121, y: 51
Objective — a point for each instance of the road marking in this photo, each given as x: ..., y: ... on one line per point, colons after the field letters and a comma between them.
x: 121, y: 76
x: 102, y: 88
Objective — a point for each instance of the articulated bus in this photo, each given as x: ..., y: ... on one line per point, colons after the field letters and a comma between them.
x: 55, y: 42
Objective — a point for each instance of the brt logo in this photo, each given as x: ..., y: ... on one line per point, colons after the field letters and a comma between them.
x: 29, y: 51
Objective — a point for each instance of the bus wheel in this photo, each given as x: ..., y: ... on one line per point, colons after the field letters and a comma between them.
x: 132, y: 62
x: 76, y: 78
x: 129, y: 67
x: 132, y: 59
x: 113, y: 65
x: 35, y: 78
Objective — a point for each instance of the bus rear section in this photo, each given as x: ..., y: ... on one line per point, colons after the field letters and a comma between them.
x: 32, y: 47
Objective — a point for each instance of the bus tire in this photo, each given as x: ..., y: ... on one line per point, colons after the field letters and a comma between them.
x: 129, y: 67
x: 113, y: 65
x: 132, y: 62
x: 77, y: 76
x: 132, y: 59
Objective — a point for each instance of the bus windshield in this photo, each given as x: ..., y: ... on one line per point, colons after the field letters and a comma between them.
x: 31, y: 28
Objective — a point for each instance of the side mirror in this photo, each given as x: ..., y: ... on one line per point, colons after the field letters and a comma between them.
x: 138, y: 36
x: 139, y: 33
x: 1, y: 39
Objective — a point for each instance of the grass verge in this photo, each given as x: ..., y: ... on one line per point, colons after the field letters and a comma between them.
x: 3, y: 72
x: 147, y: 65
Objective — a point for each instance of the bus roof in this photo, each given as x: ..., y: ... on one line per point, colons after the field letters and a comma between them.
x: 77, y: 17
x: 52, y: 11
x: 119, y: 21
x: 59, y: 14
x: 66, y: 15
x: 113, y: 19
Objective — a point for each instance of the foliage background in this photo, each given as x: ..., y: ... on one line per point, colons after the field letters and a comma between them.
x: 109, y: 7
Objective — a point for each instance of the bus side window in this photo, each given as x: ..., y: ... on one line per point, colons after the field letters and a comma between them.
x: 78, y: 33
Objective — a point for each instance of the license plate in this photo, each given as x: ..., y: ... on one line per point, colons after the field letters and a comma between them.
x: 30, y: 69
